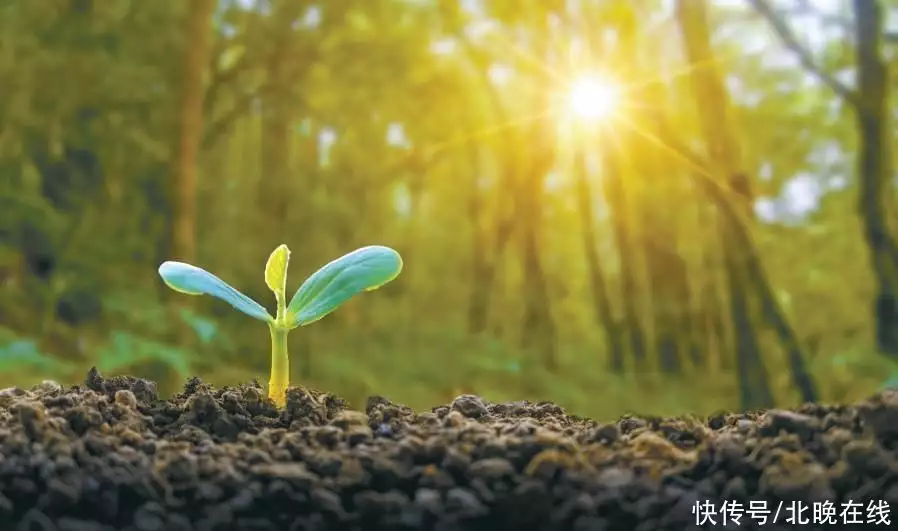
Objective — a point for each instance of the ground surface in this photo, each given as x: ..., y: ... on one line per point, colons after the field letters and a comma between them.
x: 109, y: 455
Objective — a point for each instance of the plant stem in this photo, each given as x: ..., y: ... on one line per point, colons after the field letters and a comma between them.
x: 280, y: 364
x: 281, y: 307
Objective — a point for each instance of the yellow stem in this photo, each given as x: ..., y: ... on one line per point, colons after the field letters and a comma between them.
x: 280, y: 364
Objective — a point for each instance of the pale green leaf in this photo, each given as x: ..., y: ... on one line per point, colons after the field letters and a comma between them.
x: 364, y: 269
x: 192, y: 280
x: 276, y: 271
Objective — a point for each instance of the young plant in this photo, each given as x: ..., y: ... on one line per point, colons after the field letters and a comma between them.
x: 364, y: 269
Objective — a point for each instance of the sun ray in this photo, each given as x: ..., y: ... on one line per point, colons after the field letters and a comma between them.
x: 699, y: 167
x: 585, y: 94
x: 593, y: 97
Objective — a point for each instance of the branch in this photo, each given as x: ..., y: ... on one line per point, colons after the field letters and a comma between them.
x: 279, y: 34
x: 804, y: 56
x: 807, y: 7
x: 223, y: 77
x: 217, y: 128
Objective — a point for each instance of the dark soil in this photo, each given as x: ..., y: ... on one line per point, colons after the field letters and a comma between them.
x: 110, y: 455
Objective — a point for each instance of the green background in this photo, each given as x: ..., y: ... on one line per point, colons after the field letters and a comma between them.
x: 700, y: 248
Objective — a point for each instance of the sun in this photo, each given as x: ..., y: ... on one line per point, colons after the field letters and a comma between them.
x: 593, y: 97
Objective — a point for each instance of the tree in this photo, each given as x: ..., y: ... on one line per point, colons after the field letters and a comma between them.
x: 653, y: 254
x: 743, y: 267
x: 870, y: 103
x: 190, y: 129
x: 598, y: 286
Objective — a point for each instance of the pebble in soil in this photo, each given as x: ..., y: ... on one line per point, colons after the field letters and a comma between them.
x: 110, y: 455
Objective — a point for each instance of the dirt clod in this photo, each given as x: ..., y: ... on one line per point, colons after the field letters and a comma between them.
x: 109, y: 455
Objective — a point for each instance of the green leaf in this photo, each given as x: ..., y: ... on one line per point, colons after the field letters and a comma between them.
x: 364, y: 269
x: 24, y: 353
x: 276, y: 271
x: 192, y: 280
x: 124, y: 350
x: 206, y: 330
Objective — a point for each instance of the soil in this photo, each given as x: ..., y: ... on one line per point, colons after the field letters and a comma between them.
x: 110, y: 455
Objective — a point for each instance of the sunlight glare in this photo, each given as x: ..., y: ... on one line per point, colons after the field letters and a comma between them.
x: 593, y: 97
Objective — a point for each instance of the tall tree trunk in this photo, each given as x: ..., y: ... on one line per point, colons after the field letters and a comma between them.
x: 623, y: 200
x: 754, y: 388
x: 672, y: 325
x: 190, y: 130
x: 598, y: 287
x: 874, y: 162
x: 538, y: 327
x: 666, y: 270
x: 275, y: 183
x: 706, y: 339
x: 716, y: 341
x: 538, y: 330
x: 616, y: 197
x: 183, y: 164
x: 668, y: 280
x: 481, y: 276
x: 744, y: 267
x: 492, y: 236
x: 489, y: 245
x: 275, y: 190
x: 875, y: 168
x: 287, y: 61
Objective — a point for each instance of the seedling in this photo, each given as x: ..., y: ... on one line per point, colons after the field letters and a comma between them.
x: 364, y: 269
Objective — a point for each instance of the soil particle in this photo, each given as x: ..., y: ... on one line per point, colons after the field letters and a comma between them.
x: 469, y: 406
x: 110, y: 455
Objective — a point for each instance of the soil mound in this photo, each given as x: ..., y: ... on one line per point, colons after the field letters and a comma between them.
x: 110, y: 455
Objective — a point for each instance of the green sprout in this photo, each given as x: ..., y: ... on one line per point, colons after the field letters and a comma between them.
x: 364, y: 269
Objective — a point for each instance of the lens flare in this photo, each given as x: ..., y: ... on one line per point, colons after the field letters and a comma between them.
x: 593, y: 97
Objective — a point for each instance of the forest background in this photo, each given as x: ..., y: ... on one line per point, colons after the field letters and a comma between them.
x: 719, y: 234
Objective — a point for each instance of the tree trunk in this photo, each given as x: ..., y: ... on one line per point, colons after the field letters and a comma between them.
x: 874, y: 168
x: 615, y: 195
x: 488, y: 252
x: 190, y: 130
x: 874, y: 164
x: 535, y: 148
x: 491, y: 237
x: 677, y: 332
x: 275, y: 183
x: 538, y: 330
x: 695, y: 307
x: 668, y: 280
x: 754, y: 389
x: 744, y: 267
x: 672, y: 328
x: 710, y: 309
x: 598, y: 287
x: 182, y: 184
x: 623, y: 201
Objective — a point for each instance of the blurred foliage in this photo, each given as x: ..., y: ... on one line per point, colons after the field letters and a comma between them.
x: 546, y: 259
